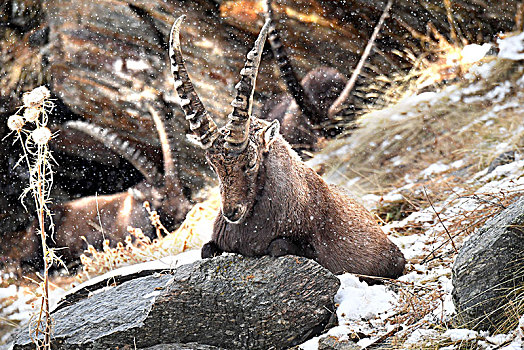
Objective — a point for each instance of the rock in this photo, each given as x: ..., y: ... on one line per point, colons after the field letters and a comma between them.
x: 334, y: 343
x: 188, y: 346
x: 502, y: 159
x: 230, y: 302
x: 487, y: 266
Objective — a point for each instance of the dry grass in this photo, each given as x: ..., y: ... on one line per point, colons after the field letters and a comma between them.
x: 384, y: 149
x: 387, y: 154
x: 514, y: 309
x: 31, y: 131
x: 139, y: 248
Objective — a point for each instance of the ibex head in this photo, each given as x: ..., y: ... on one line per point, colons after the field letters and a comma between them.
x: 235, y: 151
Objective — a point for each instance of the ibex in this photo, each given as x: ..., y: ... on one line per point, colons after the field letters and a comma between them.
x: 271, y: 202
x: 308, y: 112
x: 108, y: 216
x: 303, y: 111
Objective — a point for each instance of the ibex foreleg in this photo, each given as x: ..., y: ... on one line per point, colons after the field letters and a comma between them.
x: 210, y: 250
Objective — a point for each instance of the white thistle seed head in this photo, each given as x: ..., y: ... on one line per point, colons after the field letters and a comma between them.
x: 15, y: 122
x: 36, y: 97
x: 31, y: 114
x: 41, y: 135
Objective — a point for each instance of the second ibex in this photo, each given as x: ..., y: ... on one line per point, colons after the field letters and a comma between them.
x: 272, y: 203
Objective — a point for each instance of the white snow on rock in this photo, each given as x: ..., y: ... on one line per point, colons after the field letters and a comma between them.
x: 473, y: 53
x: 512, y: 48
x: 460, y: 334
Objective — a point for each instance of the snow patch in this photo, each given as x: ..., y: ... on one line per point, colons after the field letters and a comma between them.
x: 359, y: 306
x: 358, y: 301
x: 421, y: 335
x: 10, y: 291
x: 457, y: 164
x: 435, y: 168
x: 117, y: 65
x: 460, y: 334
x: 473, y: 53
x: 482, y: 70
x: 137, y: 64
x: 512, y: 48
x: 131, y: 64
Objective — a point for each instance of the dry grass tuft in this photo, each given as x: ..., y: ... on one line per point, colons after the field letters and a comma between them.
x: 514, y: 309
x: 439, y: 62
x: 419, y: 131
x: 139, y: 248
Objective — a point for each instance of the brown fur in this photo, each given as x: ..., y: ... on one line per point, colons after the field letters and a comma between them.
x: 289, y: 209
x: 108, y: 216
x: 100, y: 217
x: 272, y: 203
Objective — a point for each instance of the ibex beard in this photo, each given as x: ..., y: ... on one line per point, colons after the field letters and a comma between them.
x: 272, y: 202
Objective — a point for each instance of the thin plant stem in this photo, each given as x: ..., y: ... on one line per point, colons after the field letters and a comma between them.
x: 37, y: 158
x: 41, y: 192
x: 440, y: 220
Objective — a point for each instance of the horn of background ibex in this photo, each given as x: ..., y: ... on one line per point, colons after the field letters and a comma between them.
x: 170, y: 173
x: 307, y: 107
x: 115, y: 143
x: 199, y: 120
x: 337, y: 106
x: 238, y: 121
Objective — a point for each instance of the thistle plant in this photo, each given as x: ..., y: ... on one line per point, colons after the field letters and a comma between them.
x: 29, y: 125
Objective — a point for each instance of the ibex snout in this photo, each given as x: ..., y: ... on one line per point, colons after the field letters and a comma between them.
x: 234, y: 213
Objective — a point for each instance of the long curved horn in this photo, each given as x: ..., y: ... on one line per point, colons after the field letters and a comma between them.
x: 337, y: 106
x: 238, y: 121
x: 199, y: 120
x: 287, y: 72
x: 170, y: 173
x: 122, y: 148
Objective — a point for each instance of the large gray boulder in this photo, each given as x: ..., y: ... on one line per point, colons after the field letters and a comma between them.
x: 487, y: 269
x: 188, y: 346
x: 229, y: 302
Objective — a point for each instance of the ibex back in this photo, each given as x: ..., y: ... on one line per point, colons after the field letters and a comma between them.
x: 272, y: 203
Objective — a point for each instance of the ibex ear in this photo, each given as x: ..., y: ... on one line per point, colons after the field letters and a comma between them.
x: 270, y: 134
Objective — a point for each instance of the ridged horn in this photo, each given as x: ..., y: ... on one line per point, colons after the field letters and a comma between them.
x: 122, y: 148
x: 200, y: 122
x: 172, y: 185
x: 237, y: 126
x: 165, y: 143
x: 287, y: 72
x: 338, y: 105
